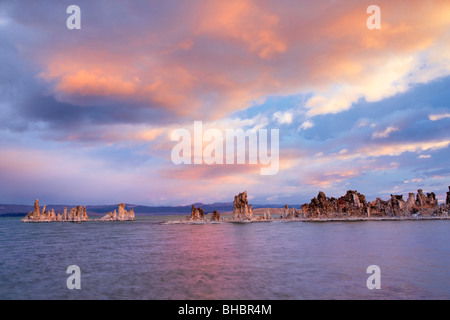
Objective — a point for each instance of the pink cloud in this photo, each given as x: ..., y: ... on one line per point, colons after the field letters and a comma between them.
x: 244, y: 21
x: 208, y: 59
x: 229, y: 54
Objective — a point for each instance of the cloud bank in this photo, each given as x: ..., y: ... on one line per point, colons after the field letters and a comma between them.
x: 111, y: 93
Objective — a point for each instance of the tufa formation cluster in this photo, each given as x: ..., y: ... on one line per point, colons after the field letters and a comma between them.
x: 290, y: 213
x: 197, y: 214
x: 120, y: 215
x: 354, y: 204
x: 215, y: 216
x: 241, y: 209
x: 77, y: 214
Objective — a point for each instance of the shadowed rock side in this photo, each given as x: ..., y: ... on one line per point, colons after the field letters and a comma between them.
x: 120, y: 215
x: 215, y: 216
x: 354, y: 204
x: 448, y: 198
x: 77, y: 214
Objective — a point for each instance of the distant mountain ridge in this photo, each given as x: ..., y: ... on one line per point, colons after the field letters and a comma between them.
x: 7, y: 210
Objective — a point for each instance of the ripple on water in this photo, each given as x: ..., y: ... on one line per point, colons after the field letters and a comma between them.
x: 148, y: 260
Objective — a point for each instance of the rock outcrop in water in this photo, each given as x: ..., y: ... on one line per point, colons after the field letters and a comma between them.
x: 351, y: 204
x: 241, y: 209
x: 420, y: 205
x: 347, y: 207
x: 448, y: 197
x: 77, y: 214
x: 354, y: 204
x: 215, y: 216
x: 120, y: 215
x: 289, y: 213
x: 197, y: 214
x: 445, y: 207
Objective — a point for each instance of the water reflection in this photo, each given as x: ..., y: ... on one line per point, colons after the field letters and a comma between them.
x: 144, y: 260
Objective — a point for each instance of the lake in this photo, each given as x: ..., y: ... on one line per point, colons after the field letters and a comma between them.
x: 145, y: 259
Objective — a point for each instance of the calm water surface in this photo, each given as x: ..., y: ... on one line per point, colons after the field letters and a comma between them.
x: 296, y: 260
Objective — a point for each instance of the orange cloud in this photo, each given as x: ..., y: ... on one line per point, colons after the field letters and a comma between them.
x: 227, y: 55
x: 246, y: 21
x: 96, y: 82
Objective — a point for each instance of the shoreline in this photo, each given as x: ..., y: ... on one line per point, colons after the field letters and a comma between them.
x: 311, y: 220
x: 335, y: 219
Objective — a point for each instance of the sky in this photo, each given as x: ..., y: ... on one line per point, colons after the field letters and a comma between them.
x: 87, y: 115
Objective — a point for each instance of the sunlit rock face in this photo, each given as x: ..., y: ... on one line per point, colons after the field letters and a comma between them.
x: 197, y: 214
x: 241, y: 209
x: 351, y: 204
x: 77, y: 214
x: 354, y: 204
x: 287, y: 213
x: 120, y: 215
